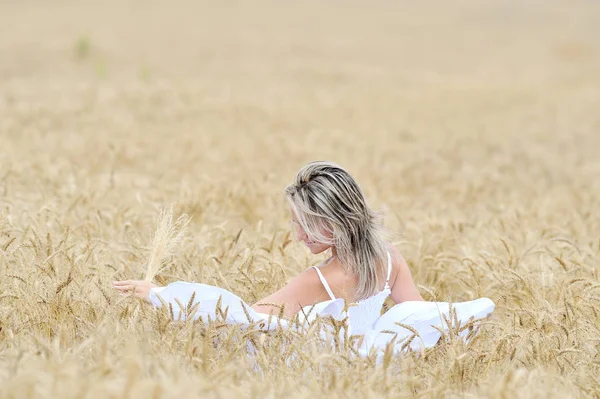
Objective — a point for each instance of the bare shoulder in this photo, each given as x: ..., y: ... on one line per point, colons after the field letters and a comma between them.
x: 401, y: 281
x: 395, y: 253
x: 303, y: 290
x: 306, y: 279
x: 305, y: 286
x: 398, y: 261
x: 341, y: 281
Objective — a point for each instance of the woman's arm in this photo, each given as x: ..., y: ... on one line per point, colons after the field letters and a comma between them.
x: 403, y: 286
x: 303, y: 290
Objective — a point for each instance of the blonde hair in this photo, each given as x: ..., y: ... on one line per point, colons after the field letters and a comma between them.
x: 331, y: 209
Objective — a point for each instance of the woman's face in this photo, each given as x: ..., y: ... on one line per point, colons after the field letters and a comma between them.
x: 313, y: 245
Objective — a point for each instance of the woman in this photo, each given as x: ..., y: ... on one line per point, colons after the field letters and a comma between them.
x: 329, y: 212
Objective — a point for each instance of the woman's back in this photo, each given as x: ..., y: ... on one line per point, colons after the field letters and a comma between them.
x: 330, y: 280
x: 364, y: 312
x: 337, y: 282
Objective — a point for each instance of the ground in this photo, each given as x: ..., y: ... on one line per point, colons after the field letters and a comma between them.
x: 474, y: 127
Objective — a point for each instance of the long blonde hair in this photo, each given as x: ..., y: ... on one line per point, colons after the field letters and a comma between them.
x: 331, y: 209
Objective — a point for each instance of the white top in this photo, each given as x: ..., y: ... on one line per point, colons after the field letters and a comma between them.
x: 328, y: 288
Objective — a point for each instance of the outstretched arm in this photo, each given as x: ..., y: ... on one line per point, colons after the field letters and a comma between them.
x: 303, y: 290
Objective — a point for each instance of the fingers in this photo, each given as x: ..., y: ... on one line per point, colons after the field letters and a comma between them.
x: 131, y: 288
x: 126, y: 285
x: 124, y: 288
x: 124, y: 282
x: 133, y: 291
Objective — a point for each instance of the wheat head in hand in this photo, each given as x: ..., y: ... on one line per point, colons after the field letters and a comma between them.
x: 166, y: 238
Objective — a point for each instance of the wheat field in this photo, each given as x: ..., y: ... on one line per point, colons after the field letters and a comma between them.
x: 473, y: 126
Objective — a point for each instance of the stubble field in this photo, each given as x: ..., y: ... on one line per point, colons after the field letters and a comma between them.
x: 474, y: 126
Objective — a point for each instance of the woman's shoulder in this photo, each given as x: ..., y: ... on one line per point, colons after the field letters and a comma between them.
x: 339, y: 280
x: 333, y: 267
x: 394, y: 252
x: 397, y: 260
x: 401, y: 280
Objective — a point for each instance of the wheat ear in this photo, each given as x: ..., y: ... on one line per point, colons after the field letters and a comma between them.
x: 165, y: 240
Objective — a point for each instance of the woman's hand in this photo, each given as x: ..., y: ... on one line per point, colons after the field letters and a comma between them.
x: 139, y: 288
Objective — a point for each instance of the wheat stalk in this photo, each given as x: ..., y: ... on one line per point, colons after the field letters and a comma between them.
x: 166, y: 238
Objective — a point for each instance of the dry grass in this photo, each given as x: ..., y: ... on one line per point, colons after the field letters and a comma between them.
x: 473, y: 126
x: 167, y: 236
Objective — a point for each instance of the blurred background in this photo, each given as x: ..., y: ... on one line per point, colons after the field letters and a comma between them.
x: 445, y: 111
x: 435, y: 107
x: 473, y: 125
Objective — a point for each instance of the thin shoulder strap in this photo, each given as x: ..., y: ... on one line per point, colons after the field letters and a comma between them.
x: 324, y: 282
x: 389, y: 273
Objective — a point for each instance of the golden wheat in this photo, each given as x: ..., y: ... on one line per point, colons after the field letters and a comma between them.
x: 165, y: 240
x: 473, y: 126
